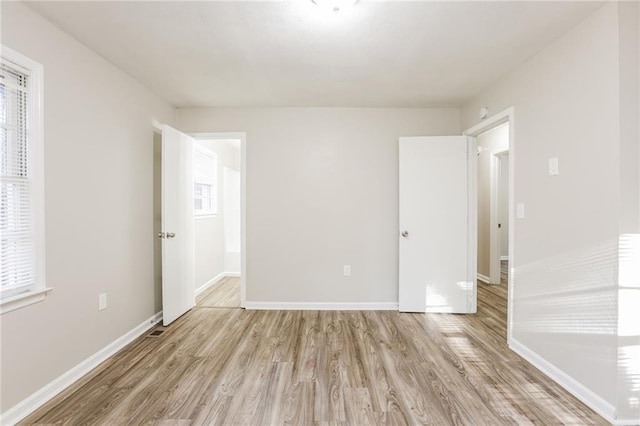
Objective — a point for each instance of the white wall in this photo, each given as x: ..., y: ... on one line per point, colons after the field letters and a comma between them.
x: 322, y: 191
x: 567, y: 105
x: 232, y: 196
x: 209, y: 230
x: 98, y: 142
x: 494, y: 139
x: 628, y: 398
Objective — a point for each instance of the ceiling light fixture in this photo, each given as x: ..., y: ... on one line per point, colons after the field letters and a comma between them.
x: 334, y: 5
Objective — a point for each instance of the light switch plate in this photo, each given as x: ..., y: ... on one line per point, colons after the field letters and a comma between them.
x: 102, y: 301
x: 346, y: 270
x: 520, y: 211
x: 554, y: 168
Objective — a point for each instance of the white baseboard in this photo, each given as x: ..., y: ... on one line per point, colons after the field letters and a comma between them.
x: 209, y: 283
x: 577, y: 389
x: 504, y: 257
x: 625, y: 422
x: 40, y: 397
x: 312, y: 306
x: 214, y: 280
x: 483, y: 278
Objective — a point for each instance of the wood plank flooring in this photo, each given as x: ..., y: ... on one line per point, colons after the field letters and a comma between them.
x: 223, y: 294
x: 239, y: 367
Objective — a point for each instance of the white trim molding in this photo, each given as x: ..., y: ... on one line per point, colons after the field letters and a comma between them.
x: 624, y: 422
x: 21, y: 300
x: 27, y: 406
x: 215, y: 280
x: 313, y: 306
x: 483, y: 278
x: 577, y: 389
x: 204, y: 216
x: 209, y: 283
x: 491, y: 122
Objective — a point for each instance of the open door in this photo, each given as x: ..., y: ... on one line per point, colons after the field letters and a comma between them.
x: 178, y: 286
x: 437, y: 265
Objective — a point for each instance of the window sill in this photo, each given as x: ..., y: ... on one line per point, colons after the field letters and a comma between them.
x: 200, y: 216
x: 22, y: 300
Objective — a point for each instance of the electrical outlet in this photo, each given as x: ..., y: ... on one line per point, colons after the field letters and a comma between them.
x: 102, y: 301
x: 346, y: 269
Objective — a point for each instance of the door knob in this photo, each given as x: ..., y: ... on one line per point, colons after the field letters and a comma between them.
x: 405, y: 234
x: 171, y: 234
x: 162, y: 235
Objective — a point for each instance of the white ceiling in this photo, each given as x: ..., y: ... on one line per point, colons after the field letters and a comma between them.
x: 288, y: 53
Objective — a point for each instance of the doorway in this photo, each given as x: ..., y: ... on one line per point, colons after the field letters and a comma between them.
x: 206, y: 207
x: 495, y: 168
x: 219, y: 242
x: 493, y: 197
x: 492, y: 178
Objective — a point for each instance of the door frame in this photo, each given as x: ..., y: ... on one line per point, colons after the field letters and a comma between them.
x: 242, y: 136
x: 494, y: 214
x: 507, y: 115
x: 157, y: 130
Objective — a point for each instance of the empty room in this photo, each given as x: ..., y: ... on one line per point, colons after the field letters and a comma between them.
x: 320, y: 212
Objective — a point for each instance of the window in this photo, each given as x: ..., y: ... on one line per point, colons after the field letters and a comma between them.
x: 22, y: 278
x: 205, y: 172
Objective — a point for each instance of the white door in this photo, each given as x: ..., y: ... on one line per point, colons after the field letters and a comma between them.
x: 178, y: 287
x: 437, y: 224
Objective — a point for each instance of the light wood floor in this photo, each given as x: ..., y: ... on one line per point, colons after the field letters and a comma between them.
x: 233, y: 366
x: 223, y: 294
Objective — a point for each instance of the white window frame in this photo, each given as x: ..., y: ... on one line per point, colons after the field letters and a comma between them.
x: 35, y: 143
x: 205, y: 179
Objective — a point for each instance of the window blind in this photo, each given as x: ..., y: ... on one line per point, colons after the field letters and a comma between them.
x: 204, y: 166
x: 17, y: 233
x: 204, y: 181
